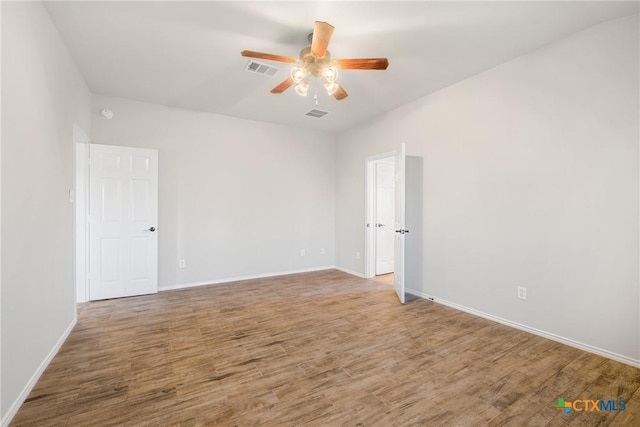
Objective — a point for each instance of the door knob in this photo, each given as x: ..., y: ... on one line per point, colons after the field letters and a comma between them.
x: 379, y: 225
x: 152, y: 229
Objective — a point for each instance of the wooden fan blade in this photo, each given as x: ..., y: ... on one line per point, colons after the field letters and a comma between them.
x: 340, y: 93
x: 269, y: 56
x: 286, y: 84
x: 322, y: 33
x: 362, y: 64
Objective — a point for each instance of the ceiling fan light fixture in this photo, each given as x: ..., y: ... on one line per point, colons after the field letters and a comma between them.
x: 302, y: 88
x: 297, y: 74
x: 331, y: 87
x: 315, y: 62
x: 331, y: 74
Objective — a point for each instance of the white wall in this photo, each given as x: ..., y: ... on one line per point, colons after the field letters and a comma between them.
x: 236, y: 197
x: 530, y: 179
x: 81, y: 215
x: 43, y: 95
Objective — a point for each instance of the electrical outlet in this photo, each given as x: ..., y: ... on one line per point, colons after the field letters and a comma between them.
x: 182, y: 263
x: 522, y: 292
x: 303, y: 252
x: 357, y: 255
x: 322, y: 251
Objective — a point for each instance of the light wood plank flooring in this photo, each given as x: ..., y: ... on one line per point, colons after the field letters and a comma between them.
x: 321, y: 348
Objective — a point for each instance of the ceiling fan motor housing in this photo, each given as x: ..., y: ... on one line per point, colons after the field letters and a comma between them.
x: 312, y: 64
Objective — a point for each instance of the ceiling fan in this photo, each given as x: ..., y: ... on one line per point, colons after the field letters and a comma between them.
x: 315, y: 61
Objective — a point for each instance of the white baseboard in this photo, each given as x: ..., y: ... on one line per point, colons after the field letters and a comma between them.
x: 353, y: 273
x: 13, y: 409
x: 239, y: 278
x: 544, y: 334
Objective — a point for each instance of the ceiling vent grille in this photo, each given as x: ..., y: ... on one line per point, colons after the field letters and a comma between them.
x: 260, y: 68
x: 317, y: 113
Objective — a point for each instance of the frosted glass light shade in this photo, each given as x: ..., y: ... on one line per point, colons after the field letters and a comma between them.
x: 331, y: 74
x: 297, y: 74
x: 302, y: 88
x: 331, y: 87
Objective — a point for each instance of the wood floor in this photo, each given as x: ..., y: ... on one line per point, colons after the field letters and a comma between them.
x: 321, y: 348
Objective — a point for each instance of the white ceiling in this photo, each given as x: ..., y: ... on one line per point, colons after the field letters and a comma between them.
x: 187, y: 54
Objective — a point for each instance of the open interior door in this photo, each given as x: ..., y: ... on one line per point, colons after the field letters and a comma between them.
x: 399, y: 247
x: 123, y: 208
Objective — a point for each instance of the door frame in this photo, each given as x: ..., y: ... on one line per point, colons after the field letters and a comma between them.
x: 370, y: 210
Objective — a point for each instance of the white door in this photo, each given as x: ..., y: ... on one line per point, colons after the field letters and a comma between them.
x: 385, y: 214
x: 123, y: 210
x: 398, y: 276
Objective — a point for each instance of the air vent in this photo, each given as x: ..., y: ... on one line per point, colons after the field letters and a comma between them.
x: 260, y: 68
x: 317, y: 113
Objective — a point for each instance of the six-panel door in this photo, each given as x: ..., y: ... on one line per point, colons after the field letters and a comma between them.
x: 123, y: 211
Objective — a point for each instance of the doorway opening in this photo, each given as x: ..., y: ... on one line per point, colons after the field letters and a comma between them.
x: 116, y: 251
x: 379, y: 250
x: 406, y: 227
